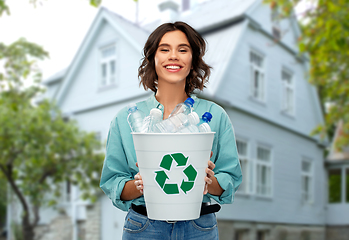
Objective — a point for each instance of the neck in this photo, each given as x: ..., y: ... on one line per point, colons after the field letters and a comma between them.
x: 169, y: 96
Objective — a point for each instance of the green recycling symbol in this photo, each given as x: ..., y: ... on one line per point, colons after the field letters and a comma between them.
x: 161, y: 176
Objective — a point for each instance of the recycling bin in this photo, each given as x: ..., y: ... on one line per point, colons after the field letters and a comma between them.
x: 172, y: 166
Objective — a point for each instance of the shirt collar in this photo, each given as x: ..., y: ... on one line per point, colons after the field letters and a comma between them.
x: 153, y: 103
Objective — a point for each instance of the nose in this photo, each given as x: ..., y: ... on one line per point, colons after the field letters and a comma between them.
x: 173, y: 55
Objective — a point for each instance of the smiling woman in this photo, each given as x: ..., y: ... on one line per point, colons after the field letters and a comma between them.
x: 172, y: 68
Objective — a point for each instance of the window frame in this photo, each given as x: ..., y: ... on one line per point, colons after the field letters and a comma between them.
x: 275, y: 23
x: 107, y: 60
x: 269, y: 165
x: 257, y: 93
x: 247, y: 175
x: 288, y: 106
x: 310, y: 175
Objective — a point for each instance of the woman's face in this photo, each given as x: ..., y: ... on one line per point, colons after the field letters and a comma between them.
x: 173, y: 58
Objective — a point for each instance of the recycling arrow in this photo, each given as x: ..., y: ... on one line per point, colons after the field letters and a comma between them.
x: 161, y: 176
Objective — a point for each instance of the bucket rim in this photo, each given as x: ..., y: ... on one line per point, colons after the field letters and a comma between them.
x: 175, y: 134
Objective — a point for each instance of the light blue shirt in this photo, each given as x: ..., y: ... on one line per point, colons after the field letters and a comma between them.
x: 120, y: 160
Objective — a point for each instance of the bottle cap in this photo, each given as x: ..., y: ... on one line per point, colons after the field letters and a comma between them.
x: 132, y: 107
x: 156, y: 112
x: 193, y: 118
x: 207, y: 117
x: 190, y: 101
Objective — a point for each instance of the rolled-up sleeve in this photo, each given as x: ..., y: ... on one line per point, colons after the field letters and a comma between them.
x: 115, y: 172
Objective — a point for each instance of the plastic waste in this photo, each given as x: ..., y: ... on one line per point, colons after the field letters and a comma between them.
x: 203, y: 124
x: 177, y: 122
x: 184, y: 107
x: 135, y: 118
x: 154, y: 117
x: 200, y: 126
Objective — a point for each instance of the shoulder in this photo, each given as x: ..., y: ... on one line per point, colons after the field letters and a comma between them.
x: 120, y: 117
x: 220, y: 120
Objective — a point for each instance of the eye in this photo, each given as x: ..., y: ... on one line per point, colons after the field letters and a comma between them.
x: 164, y: 50
x: 183, y: 50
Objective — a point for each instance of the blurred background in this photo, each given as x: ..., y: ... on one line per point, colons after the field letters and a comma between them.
x: 279, y: 71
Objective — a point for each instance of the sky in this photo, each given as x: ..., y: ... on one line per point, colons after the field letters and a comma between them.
x: 59, y: 26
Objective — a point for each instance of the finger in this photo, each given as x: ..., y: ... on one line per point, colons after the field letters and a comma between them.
x: 208, y: 180
x: 206, y: 189
x: 211, y: 154
x: 209, y: 172
x: 211, y: 165
x: 136, y: 164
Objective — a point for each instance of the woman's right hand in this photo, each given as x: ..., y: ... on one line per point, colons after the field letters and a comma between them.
x: 139, y: 181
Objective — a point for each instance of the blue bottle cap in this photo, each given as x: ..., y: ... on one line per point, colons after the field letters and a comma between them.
x: 207, y: 116
x: 190, y: 101
x: 132, y: 107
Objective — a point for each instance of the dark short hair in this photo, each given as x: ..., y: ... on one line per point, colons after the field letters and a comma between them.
x: 200, y: 72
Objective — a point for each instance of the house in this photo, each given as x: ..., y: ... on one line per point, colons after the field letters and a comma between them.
x: 337, y: 165
x: 259, y: 78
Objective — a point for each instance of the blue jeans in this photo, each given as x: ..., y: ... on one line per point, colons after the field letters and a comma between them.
x: 138, y: 227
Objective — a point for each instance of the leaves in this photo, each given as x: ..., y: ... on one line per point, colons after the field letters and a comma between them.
x: 39, y: 150
x: 325, y: 37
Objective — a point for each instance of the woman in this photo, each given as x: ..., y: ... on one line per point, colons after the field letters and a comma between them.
x: 172, y: 68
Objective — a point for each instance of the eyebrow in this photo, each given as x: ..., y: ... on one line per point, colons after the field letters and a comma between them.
x: 168, y: 45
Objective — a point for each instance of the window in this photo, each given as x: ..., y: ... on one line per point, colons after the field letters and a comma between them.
x: 245, y: 163
x: 108, y: 66
x: 288, y: 92
x: 257, y: 76
x: 347, y: 184
x: 262, y: 234
x: 241, y: 234
x: 66, y: 191
x: 275, y: 19
x: 307, y: 181
x: 335, y: 185
x: 263, y: 176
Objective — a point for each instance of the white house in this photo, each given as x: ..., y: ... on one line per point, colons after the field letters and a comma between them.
x: 259, y: 78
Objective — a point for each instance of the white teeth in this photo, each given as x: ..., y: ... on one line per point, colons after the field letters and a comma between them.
x: 172, y: 67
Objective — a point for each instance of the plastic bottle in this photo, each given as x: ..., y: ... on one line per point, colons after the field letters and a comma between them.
x: 154, y: 117
x: 176, y: 123
x: 185, y: 107
x: 135, y: 118
x: 200, y: 126
x: 203, y: 124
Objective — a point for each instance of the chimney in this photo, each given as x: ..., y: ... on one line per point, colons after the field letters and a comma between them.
x: 168, y: 11
x: 188, y: 4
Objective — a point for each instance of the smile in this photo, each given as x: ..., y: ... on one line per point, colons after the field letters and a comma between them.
x: 172, y: 67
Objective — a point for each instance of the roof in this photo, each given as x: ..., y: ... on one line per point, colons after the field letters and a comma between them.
x: 56, y: 77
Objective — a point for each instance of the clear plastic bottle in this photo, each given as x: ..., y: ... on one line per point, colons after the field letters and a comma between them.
x: 155, y: 116
x: 135, y: 118
x: 203, y: 124
x: 185, y: 107
x: 200, y: 126
x: 176, y: 123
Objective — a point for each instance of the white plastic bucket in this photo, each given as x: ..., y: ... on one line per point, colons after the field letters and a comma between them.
x: 172, y: 166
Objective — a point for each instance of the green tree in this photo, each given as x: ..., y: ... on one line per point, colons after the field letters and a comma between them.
x: 325, y: 39
x: 39, y: 149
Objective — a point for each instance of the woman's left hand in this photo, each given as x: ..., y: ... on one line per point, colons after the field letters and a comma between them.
x: 209, y: 174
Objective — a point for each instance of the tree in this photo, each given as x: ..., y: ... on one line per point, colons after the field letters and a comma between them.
x: 325, y: 38
x: 39, y: 149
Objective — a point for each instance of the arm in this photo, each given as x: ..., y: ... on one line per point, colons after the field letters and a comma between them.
x: 116, y: 173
